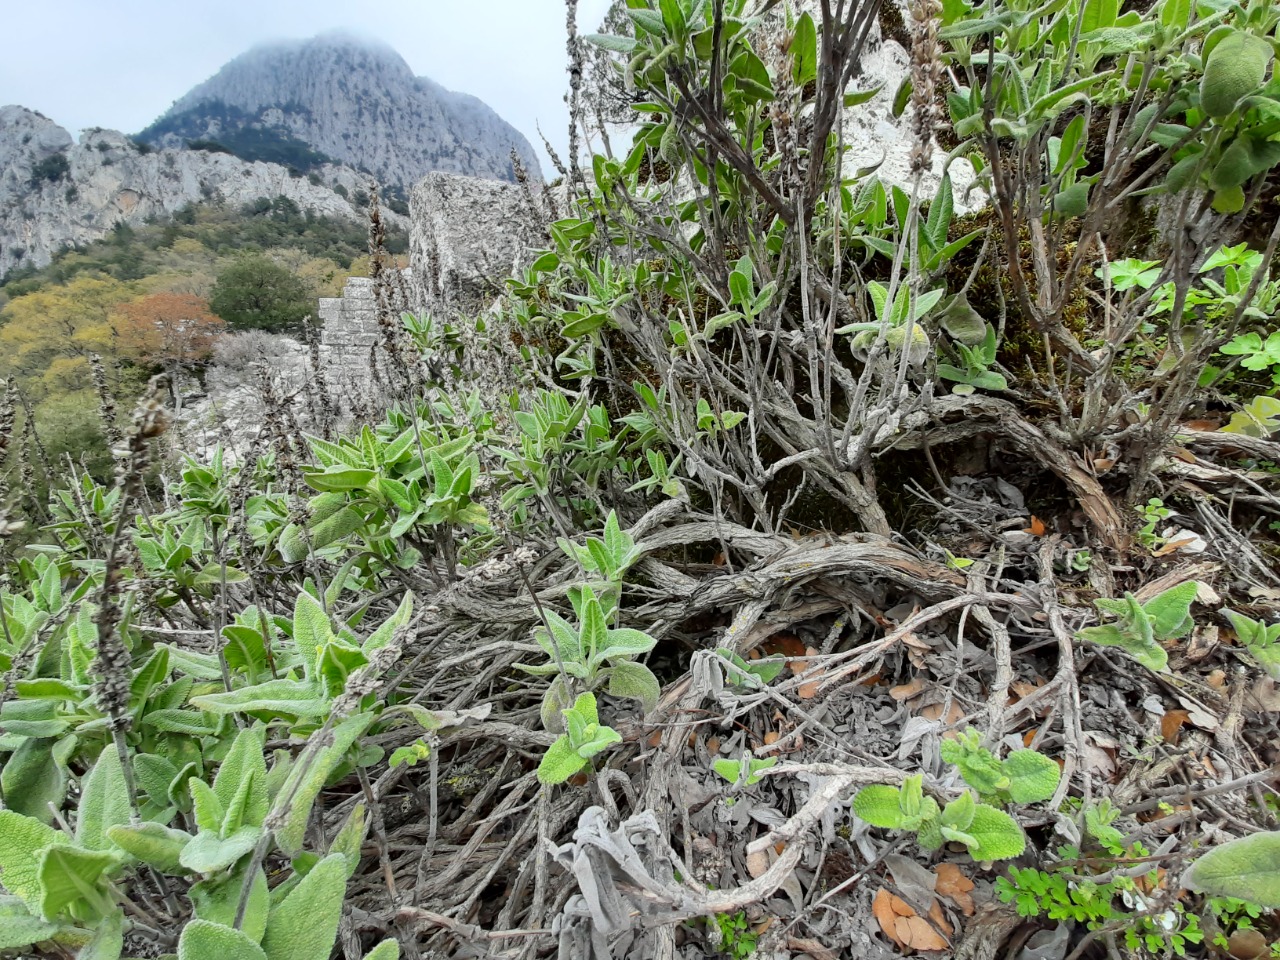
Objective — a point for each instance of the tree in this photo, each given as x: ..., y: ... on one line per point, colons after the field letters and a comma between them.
x: 63, y: 323
x: 254, y: 293
x: 166, y: 328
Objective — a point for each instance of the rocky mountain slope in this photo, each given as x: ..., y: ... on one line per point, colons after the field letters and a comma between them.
x: 55, y: 192
x: 352, y: 100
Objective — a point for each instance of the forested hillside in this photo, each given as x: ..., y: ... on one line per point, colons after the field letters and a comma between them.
x: 159, y: 296
x: 803, y: 558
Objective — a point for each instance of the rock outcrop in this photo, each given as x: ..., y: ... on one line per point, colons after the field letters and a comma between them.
x: 466, y: 236
x: 56, y: 193
x: 355, y: 101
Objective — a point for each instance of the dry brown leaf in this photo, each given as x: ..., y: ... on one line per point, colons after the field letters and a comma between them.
x: 812, y: 947
x: 933, y: 711
x: 807, y: 691
x: 954, y: 884
x: 1183, y: 454
x: 757, y: 863
x: 1173, y: 546
x: 1248, y: 945
x: 1205, y: 426
x: 907, y: 691
x: 1266, y: 694
x: 940, y: 919
x: 787, y: 644
x: 885, y: 914
x: 914, y: 933
x: 1171, y: 724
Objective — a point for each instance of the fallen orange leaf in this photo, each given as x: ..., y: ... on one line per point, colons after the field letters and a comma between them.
x: 886, y: 916
x: 1171, y: 724
x: 914, y: 933
x: 906, y: 691
x: 954, y: 884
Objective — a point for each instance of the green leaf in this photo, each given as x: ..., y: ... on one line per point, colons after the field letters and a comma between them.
x: 1148, y: 653
x: 217, y: 899
x: 634, y: 681
x: 245, y: 768
x: 650, y: 21
x: 1033, y: 777
x: 804, y: 51
x: 1175, y: 14
x: 18, y: 928
x: 304, y: 925
x: 33, y: 779
x: 959, y: 813
x: 155, y: 845
x: 616, y: 45
x: 311, y: 626
x: 209, y: 812
x: 104, y: 801
x: 997, y: 834
x: 202, y: 940
x: 209, y: 853
x: 1247, y: 868
x: 107, y: 941
x: 560, y: 762
x: 181, y: 721
x: 902, y: 97
x: 292, y: 698
x: 340, y: 479
x: 21, y: 840
x: 617, y: 644
x: 386, y: 950
x: 71, y: 876
x: 879, y: 805
x: 308, y: 780
x: 351, y: 838
x: 386, y: 630
x: 1170, y: 611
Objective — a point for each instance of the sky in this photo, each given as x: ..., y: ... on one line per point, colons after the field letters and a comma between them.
x: 120, y: 63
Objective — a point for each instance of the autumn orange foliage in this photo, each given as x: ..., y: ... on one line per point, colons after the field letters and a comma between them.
x: 166, y: 328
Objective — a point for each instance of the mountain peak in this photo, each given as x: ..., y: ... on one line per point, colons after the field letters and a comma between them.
x: 345, y: 97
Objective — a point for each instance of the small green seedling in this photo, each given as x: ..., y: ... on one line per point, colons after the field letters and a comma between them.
x: 1024, y: 776
x: 751, y: 674
x: 583, y: 738
x: 990, y: 834
x: 1260, y: 639
x: 745, y: 771
x: 1139, y: 627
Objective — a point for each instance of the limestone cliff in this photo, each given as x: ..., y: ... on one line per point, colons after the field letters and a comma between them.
x: 55, y: 192
x: 352, y: 100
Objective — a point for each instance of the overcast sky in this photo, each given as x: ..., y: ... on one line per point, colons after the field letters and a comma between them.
x: 121, y: 63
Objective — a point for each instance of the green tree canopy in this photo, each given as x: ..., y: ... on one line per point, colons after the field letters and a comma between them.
x: 255, y: 293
